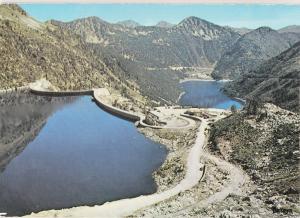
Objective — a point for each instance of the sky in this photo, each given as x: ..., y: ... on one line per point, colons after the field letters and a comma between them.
x: 235, y: 15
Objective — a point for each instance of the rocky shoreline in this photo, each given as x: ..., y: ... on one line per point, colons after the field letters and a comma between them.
x: 195, y: 201
x: 226, y: 190
x: 234, y: 189
x: 178, y: 143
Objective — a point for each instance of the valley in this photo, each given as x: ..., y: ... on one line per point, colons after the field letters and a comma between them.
x: 191, y: 119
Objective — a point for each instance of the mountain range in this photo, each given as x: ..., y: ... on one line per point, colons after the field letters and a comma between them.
x: 142, y: 66
x: 192, y: 42
x: 90, y: 52
x: 276, y: 80
x: 155, y: 57
x: 164, y: 24
x: 252, y: 49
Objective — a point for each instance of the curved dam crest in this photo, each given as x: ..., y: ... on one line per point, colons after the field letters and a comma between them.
x: 43, y: 87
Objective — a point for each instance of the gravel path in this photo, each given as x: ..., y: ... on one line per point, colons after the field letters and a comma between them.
x: 237, y: 179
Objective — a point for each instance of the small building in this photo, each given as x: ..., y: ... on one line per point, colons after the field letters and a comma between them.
x: 153, y: 119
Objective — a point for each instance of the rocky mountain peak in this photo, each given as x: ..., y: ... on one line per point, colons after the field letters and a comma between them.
x: 290, y: 29
x: 95, y: 19
x: 266, y: 33
x: 14, y: 13
x: 193, y: 21
x: 164, y: 24
x: 239, y: 30
x: 17, y: 8
x: 129, y: 23
x: 264, y: 30
x: 89, y: 21
x: 202, y: 28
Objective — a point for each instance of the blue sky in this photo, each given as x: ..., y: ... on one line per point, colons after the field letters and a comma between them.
x: 239, y: 15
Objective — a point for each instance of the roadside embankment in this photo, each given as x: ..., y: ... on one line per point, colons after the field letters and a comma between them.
x: 221, y: 180
x: 266, y: 145
x: 178, y: 143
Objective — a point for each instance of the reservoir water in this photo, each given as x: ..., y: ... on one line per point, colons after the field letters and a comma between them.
x: 61, y: 152
x: 76, y: 155
x: 206, y: 94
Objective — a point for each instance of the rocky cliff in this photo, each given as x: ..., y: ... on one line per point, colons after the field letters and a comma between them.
x: 164, y: 24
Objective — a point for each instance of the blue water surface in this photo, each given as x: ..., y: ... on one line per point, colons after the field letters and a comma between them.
x: 82, y: 156
x: 206, y: 94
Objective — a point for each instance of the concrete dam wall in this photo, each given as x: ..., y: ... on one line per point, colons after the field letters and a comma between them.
x: 97, y: 94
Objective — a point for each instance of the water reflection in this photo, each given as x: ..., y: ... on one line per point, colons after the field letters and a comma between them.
x: 81, y: 156
x: 22, y: 116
